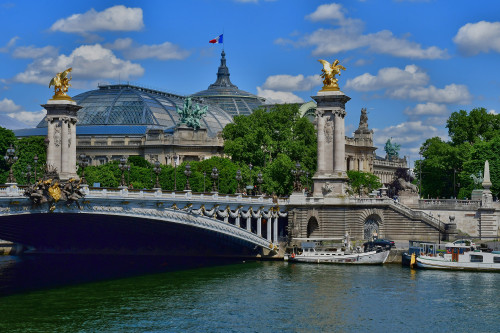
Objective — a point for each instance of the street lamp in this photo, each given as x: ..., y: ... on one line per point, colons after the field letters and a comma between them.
x: 187, y: 172
x: 297, y: 172
x: 157, y: 170
x: 214, y: 175
x: 10, y: 159
x: 122, y: 166
x: 83, y: 162
x: 128, y: 175
x: 204, y: 176
x: 28, y: 173
x: 36, y: 161
x: 238, y: 179
x: 259, y: 181
x: 175, y: 173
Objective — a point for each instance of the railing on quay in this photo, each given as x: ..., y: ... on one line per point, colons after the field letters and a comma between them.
x: 452, y: 204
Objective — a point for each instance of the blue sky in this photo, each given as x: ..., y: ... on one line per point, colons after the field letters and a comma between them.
x: 410, y: 63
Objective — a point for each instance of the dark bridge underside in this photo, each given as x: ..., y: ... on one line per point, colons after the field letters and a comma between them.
x: 88, y: 233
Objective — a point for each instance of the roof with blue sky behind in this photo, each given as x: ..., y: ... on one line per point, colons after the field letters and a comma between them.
x: 410, y: 63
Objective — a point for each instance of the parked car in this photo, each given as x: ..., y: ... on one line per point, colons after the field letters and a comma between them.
x: 383, y: 243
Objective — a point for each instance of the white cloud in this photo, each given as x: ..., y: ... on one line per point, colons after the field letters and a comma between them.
x: 88, y: 62
x: 31, y: 119
x: 8, y: 105
x: 493, y: 112
x: 333, y: 11
x: 31, y: 52
x: 432, y: 109
x: 165, y: 51
x: 291, y: 83
x: 389, y: 77
x: 474, y: 38
x: 450, y: 94
x: 275, y: 97
x: 410, y: 135
x: 349, y: 36
x: 9, y: 44
x: 116, y: 18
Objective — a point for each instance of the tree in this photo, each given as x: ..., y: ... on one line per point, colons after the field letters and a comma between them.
x: 260, y: 137
x: 478, y: 125
x: 7, y: 138
x: 363, y: 181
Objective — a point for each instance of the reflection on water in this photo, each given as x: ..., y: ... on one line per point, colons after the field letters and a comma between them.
x: 243, y: 297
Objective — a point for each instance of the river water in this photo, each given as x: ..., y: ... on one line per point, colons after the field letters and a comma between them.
x: 134, y: 294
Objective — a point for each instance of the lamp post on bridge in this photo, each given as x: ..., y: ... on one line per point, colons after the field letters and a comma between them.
x: 83, y: 163
x: 28, y: 173
x: 11, y: 158
x: 297, y: 173
x: 259, y: 181
x: 36, y: 161
x: 187, y: 172
x: 122, y: 166
x: 238, y: 180
x: 204, y: 176
x: 175, y: 173
x: 128, y: 175
x: 157, y: 170
x: 214, y: 175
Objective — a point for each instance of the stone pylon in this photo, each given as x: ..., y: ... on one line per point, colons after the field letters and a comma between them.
x: 330, y: 178
x: 487, y: 198
x: 61, y: 135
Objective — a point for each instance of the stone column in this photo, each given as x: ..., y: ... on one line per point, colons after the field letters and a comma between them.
x: 64, y: 148
x: 269, y: 222
x: 331, y: 177
x: 259, y: 226
x: 249, y: 222
x: 61, y: 132
x: 275, y: 230
x: 237, y: 220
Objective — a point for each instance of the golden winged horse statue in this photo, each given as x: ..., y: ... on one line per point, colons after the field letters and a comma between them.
x: 330, y: 82
x: 61, y: 84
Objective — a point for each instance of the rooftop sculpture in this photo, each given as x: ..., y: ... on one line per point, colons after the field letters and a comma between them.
x: 330, y: 82
x: 61, y: 84
x: 392, y: 149
x: 191, y: 115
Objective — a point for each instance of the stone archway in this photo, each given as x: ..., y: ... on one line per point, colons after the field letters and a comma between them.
x: 371, y: 227
x: 372, y: 220
x: 312, y: 227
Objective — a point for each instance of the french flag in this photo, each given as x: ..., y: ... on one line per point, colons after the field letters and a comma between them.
x: 217, y: 40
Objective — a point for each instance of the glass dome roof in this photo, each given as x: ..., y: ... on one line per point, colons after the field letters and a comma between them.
x: 124, y: 104
x: 227, y: 96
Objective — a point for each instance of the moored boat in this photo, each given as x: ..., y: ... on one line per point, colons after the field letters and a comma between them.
x: 459, y: 255
x: 314, y: 251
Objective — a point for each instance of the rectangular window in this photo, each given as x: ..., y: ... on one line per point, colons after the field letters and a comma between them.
x: 476, y: 258
x: 496, y: 260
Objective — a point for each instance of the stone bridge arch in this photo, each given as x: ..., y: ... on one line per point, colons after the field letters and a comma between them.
x: 372, y: 221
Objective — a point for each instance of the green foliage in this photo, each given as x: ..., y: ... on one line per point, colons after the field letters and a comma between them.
x: 7, y: 138
x: 477, y: 125
x: 363, y: 181
x: 139, y: 161
x: 446, y: 166
x: 260, y: 137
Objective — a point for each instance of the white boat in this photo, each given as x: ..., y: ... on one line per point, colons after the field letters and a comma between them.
x: 459, y: 255
x: 316, y: 251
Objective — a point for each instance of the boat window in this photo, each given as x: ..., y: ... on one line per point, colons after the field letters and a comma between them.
x: 496, y: 260
x: 476, y: 258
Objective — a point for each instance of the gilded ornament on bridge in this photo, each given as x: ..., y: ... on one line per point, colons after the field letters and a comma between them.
x: 330, y: 82
x: 61, y: 85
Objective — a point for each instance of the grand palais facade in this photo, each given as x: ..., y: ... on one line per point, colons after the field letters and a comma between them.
x: 119, y: 120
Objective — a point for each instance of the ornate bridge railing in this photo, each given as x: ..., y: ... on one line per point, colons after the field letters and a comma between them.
x: 234, y: 215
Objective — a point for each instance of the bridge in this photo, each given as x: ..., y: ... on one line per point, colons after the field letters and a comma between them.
x: 146, y: 222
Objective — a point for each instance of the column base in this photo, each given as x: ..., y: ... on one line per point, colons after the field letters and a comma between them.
x: 330, y: 185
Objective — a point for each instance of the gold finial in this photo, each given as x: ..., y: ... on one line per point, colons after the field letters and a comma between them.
x: 330, y: 82
x: 61, y: 85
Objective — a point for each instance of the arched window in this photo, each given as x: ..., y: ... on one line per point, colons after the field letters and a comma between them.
x: 312, y: 227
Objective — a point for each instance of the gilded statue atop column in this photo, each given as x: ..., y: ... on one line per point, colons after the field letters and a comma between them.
x: 330, y: 82
x: 61, y: 85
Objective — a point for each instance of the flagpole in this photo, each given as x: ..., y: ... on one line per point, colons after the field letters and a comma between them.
x: 222, y: 38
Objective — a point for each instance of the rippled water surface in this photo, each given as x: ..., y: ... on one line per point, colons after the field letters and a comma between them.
x: 67, y: 294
